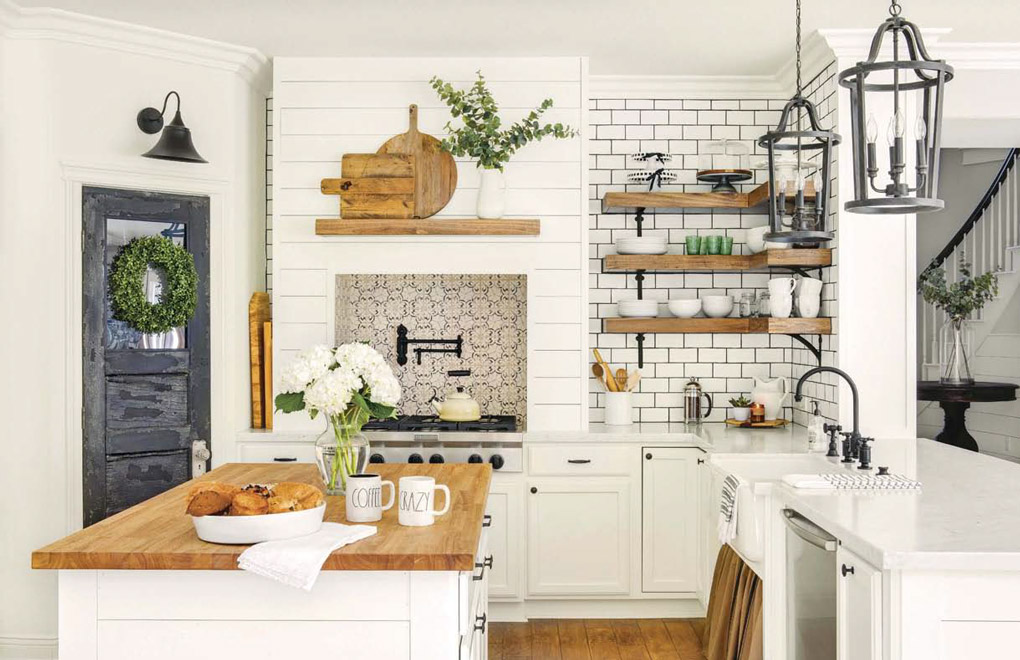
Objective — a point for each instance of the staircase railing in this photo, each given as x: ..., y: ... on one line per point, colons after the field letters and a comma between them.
x: 992, y: 227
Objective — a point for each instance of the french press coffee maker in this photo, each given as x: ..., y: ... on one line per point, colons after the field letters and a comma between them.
x: 693, y: 411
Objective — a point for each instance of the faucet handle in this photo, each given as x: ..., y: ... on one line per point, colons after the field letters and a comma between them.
x: 832, y: 429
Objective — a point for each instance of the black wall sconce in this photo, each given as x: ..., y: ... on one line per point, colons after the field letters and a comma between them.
x: 175, y: 142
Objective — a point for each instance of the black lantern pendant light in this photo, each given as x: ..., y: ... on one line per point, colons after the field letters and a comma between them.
x: 175, y: 142
x: 798, y: 212
x: 920, y: 73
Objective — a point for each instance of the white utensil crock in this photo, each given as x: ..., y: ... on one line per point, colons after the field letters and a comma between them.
x: 417, y: 501
x: 364, y: 498
x: 491, y: 194
x: 619, y: 409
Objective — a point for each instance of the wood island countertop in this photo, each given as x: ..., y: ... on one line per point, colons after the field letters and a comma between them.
x: 158, y: 535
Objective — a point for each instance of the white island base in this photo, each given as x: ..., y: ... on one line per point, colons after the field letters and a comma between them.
x: 228, y: 615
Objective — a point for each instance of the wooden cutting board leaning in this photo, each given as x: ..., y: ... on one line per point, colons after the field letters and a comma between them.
x: 435, y: 171
x: 259, y: 336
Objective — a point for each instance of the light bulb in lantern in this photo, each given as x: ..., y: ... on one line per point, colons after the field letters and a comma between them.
x: 897, y: 126
x: 872, y: 129
x: 920, y: 128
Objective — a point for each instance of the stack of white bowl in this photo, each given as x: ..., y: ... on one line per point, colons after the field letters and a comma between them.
x: 641, y: 245
x: 638, y: 308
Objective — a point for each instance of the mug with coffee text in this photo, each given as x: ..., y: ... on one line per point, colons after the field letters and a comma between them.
x: 418, y: 501
x: 364, y: 497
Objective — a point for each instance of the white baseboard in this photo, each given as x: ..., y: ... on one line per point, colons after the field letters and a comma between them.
x: 28, y: 648
x: 673, y: 608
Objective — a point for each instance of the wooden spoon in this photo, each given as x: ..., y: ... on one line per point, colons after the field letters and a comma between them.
x: 632, y: 380
x: 604, y: 377
x: 621, y: 379
x: 610, y: 381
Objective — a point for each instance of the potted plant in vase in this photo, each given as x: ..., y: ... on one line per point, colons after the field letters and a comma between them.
x: 741, y: 408
x: 959, y: 301
x: 482, y: 137
x: 349, y: 385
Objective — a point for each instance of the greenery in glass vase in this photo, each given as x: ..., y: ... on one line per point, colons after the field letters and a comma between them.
x: 961, y: 298
x: 349, y: 385
x: 482, y: 135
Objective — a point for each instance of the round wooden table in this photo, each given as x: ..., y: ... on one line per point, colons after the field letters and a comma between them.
x: 955, y: 399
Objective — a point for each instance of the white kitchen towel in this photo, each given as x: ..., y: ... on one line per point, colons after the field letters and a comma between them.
x: 728, y: 509
x: 297, y: 562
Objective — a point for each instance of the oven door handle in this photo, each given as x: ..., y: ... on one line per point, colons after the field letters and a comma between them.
x: 809, y: 531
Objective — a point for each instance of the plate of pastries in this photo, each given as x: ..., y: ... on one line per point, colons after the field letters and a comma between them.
x: 225, y: 513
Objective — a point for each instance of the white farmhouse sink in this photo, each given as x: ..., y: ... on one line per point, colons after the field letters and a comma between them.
x: 759, y: 472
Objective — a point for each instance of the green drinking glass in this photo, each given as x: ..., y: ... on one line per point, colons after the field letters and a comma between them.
x: 693, y: 244
x: 714, y: 244
x: 727, y: 245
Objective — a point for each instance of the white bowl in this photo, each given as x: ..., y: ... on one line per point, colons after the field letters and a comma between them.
x: 255, y: 529
x: 776, y: 245
x: 685, y: 308
x: 641, y: 245
x: 638, y: 308
x: 717, y: 306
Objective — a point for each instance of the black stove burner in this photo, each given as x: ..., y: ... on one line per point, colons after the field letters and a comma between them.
x: 488, y: 423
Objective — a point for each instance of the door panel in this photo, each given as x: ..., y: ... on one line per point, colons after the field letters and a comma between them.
x: 669, y: 520
x: 145, y: 396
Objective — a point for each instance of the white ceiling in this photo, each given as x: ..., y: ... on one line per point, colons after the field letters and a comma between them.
x: 630, y: 37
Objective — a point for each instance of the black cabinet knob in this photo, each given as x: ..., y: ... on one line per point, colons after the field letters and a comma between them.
x: 436, y: 458
x: 376, y: 458
x: 648, y: 456
x: 534, y: 490
x: 415, y: 458
x: 847, y: 570
x: 497, y: 461
x: 474, y: 458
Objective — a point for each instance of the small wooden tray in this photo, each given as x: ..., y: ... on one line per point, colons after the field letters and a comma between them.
x: 770, y: 424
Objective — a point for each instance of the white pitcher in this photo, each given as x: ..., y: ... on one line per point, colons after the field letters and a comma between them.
x: 772, y: 394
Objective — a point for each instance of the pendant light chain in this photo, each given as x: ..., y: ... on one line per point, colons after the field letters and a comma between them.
x: 799, y: 84
x: 894, y: 8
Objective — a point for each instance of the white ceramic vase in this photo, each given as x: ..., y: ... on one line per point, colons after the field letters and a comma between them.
x: 491, y: 194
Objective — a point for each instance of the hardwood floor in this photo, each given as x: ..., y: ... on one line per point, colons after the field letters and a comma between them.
x: 597, y: 639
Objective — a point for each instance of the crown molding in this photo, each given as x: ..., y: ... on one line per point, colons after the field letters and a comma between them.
x: 855, y: 43
x: 19, y: 22
x: 685, y: 87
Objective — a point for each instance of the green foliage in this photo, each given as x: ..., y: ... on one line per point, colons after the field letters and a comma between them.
x: 178, y: 298
x: 289, y: 402
x: 740, y: 402
x: 481, y: 136
x: 370, y: 408
x: 961, y: 298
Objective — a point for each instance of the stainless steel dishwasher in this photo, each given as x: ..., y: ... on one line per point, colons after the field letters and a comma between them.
x: 810, y: 590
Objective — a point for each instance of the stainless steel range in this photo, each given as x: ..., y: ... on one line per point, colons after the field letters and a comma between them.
x: 426, y: 439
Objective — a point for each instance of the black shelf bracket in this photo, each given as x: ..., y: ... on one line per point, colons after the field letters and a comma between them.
x: 455, y: 346
x: 815, y: 350
x: 640, y: 339
x: 639, y: 277
x: 639, y: 218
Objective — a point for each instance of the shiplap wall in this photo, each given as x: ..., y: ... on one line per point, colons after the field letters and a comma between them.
x: 326, y: 107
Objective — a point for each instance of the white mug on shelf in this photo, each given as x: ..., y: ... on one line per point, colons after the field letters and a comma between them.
x: 809, y: 297
x: 619, y: 410
x: 417, y: 501
x: 364, y: 498
x: 781, y: 306
x: 782, y: 286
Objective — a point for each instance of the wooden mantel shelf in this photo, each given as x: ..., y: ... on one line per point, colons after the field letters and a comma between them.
x: 791, y: 258
x: 756, y: 325
x: 427, y: 227
x: 623, y: 202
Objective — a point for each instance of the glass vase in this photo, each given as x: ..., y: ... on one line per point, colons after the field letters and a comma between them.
x: 340, y: 451
x: 955, y: 340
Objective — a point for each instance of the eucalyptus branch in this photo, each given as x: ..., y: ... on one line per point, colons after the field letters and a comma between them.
x: 961, y: 298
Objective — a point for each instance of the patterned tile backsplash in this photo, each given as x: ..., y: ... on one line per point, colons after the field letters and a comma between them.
x: 490, y: 311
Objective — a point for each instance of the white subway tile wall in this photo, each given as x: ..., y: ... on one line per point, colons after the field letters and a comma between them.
x: 725, y: 365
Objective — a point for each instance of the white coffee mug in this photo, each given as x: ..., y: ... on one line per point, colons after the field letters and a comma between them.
x: 781, y: 306
x: 782, y: 286
x: 417, y: 501
x: 364, y: 498
x: 808, y: 306
x: 809, y: 286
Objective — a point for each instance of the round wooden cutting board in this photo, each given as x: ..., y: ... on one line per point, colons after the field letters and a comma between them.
x: 435, y: 171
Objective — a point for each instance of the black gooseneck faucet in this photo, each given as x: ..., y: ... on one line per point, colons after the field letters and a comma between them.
x: 855, y: 443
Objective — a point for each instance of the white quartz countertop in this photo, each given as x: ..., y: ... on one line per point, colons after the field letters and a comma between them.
x: 717, y: 438
x: 966, y: 516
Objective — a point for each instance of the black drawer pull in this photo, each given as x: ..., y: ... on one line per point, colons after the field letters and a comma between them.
x: 480, y: 623
x: 486, y: 520
x: 579, y: 461
x: 284, y: 459
x: 847, y: 570
x: 701, y: 461
x: 484, y: 564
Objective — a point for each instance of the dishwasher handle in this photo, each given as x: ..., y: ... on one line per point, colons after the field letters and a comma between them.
x: 809, y: 531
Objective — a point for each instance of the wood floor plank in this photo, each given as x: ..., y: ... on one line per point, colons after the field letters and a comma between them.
x: 685, y: 639
x: 517, y: 642
x: 629, y: 641
x: 601, y: 639
x: 545, y: 639
x: 573, y: 640
x: 657, y: 640
x: 497, y: 631
x: 699, y: 628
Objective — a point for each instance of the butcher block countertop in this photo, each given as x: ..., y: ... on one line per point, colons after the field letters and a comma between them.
x: 158, y: 535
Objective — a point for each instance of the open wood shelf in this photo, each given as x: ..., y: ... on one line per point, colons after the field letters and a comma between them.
x: 623, y: 202
x: 791, y: 258
x: 427, y: 227
x: 754, y: 325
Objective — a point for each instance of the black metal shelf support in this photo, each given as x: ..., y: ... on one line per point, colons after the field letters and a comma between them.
x: 815, y: 350
x: 639, y: 218
x: 640, y: 339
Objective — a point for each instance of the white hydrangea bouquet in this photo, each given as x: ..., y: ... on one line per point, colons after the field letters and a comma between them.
x: 349, y: 385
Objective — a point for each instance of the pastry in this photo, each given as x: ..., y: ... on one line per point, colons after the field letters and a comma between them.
x: 227, y: 489
x: 208, y: 503
x: 279, y: 504
x: 248, y: 503
x: 307, y: 496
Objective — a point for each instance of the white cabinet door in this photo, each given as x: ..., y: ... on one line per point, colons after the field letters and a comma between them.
x: 669, y: 529
x: 859, y: 608
x: 579, y: 536
x: 506, y: 501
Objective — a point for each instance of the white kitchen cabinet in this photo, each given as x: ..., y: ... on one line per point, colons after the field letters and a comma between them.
x: 579, y: 536
x: 506, y: 501
x: 669, y: 525
x: 858, y: 608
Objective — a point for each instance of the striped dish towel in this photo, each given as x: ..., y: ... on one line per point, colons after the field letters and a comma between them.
x: 728, y: 509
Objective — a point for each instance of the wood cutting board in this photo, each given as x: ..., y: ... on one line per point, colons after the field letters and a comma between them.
x: 258, y: 316
x: 374, y: 186
x: 435, y: 171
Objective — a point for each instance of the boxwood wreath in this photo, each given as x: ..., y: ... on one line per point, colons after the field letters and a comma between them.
x: 178, y: 297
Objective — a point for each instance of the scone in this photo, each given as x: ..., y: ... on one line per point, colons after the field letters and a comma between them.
x: 247, y: 503
x: 279, y: 504
x: 208, y: 503
x: 307, y: 496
